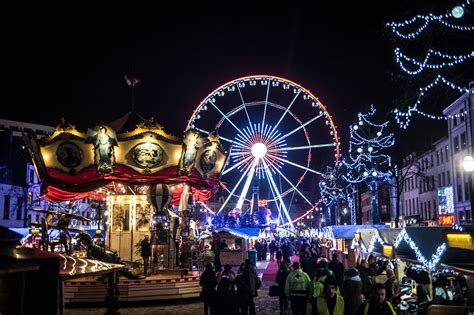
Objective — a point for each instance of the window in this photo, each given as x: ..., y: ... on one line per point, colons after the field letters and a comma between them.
x: 406, y: 207
x: 417, y: 208
x: 446, y: 154
x: 434, y: 209
x: 455, y: 121
x: 448, y: 177
x: 441, y: 156
x: 443, y: 179
x: 428, y: 212
x: 32, y: 176
x: 432, y: 183
x: 19, y: 208
x: 6, y: 207
x: 463, y: 140
x: 461, y: 115
x: 437, y: 157
x: 439, y: 180
x: 421, y: 187
x: 412, y: 185
x: 456, y: 144
x: 431, y: 160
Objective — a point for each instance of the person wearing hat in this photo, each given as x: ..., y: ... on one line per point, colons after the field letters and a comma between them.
x: 329, y: 303
x: 296, y: 288
x: 378, y: 304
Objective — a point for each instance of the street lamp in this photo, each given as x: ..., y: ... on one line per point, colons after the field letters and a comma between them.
x: 468, y: 165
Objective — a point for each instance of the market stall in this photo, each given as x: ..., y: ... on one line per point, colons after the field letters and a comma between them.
x: 238, y: 241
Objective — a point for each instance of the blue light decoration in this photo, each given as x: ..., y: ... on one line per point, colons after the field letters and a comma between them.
x: 333, y: 190
x: 415, y: 27
x: 366, y: 162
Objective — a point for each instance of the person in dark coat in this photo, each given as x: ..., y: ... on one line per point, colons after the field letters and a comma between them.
x: 224, y: 302
x: 337, y: 268
x: 247, y: 286
x: 145, y: 252
x: 208, y: 284
x: 281, y: 281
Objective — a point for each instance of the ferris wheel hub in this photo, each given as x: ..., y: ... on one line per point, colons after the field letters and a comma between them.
x: 259, y: 150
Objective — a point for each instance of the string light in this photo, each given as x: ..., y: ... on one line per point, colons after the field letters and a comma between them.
x: 427, y: 19
x: 401, y: 59
x: 403, y: 118
x: 435, y: 258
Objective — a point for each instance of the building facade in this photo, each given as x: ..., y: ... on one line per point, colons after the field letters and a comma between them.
x: 460, y: 131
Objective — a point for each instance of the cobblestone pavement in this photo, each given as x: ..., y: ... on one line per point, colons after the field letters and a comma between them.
x: 263, y: 304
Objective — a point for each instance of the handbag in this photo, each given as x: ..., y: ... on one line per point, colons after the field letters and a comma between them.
x: 274, y: 290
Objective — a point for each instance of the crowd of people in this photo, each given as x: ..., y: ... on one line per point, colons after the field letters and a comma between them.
x: 327, y: 286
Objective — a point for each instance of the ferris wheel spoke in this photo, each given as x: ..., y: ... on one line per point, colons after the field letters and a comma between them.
x: 293, y: 186
x: 303, y: 147
x: 297, y: 165
x: 280, y: 217
x: 225, y: 116
x: 272, y: 183
x: 236, y: 165
x: 234, y: 189
x: 266, y: 102
x: 245, y: 107
x: 300, y: 127
x: 287, y: 109
x: 250, y: 176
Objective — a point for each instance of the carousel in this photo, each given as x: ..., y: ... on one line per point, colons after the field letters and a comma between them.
x: 151, y: 182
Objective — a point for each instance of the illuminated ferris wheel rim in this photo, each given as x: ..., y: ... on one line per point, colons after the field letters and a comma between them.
x: 260, y: 148
x: 277, y: 78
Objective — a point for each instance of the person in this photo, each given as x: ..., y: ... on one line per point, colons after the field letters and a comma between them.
x: 272, y: 248
x: 146, y: 254
x: 329, y: 303
x: 250, y: 283
x: 296, y: 288
x: 352, y: 291
x: 280, y: 280
x: 229, y: 274
x: 224, y: 301
x: 286, y: 252
x: 216, y: 248
x: 208, y: 284
x: 279, y: 254
x: 316, y: 287
x: 308, y: 262
x: 377, y: 305
x: 337, y: 268
x: 363, y: 269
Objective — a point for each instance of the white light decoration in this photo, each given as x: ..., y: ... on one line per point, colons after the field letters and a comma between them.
x: 433, y: 60
x: 435, y: 258
x: 370, y: 149
x: 359, y: 150
x: 374, y: 173
x: 457, y: 12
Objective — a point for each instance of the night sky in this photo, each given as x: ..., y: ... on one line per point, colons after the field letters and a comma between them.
x: 70, y: 60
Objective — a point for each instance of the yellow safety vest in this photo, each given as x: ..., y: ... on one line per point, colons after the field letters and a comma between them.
x: 366, y: 310
x: 322, y: 305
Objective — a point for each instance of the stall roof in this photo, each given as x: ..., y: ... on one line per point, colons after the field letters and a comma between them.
x: 460, y: 259
x: 348, y: 231
x: 241, y: 232
x: 389, y: 235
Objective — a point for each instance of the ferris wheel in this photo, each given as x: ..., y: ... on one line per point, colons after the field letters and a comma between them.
x: 279, y: 136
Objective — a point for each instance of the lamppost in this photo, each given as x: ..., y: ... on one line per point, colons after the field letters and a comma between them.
x: 468, y: 165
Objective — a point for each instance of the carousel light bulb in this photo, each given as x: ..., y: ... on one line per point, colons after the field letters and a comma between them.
x: 259, y: 150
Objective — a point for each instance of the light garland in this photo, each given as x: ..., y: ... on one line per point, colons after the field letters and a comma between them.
x: 366, y: 162
x: 442, y: 18
x: 435, y: 258
x: 401, y: 58
x: 403, y: 118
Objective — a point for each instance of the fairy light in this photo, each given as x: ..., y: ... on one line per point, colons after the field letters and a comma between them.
x: 427, y: 19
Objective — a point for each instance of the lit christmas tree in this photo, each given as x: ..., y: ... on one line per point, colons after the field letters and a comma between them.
x: 440, y: 65
x: 366, y: 162
x: 332, y: 188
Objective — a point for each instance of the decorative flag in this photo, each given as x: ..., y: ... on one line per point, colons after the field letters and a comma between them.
x: 131, y: 79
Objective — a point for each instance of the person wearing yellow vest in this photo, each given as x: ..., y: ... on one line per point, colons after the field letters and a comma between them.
x: 316, y: 286
x: 329, y: 302
x: 296, y: 288
x: 377, y: 305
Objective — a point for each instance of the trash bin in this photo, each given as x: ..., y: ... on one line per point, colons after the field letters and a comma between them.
x: 252, y: 256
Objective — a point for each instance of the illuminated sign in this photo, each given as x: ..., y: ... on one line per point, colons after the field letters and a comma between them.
x: 387, y: 251
x: 460, y: 240
x: 357, y: 236
x: 446, y: 220
x: 445, y: 200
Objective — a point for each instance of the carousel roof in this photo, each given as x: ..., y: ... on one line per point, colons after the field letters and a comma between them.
x: 241, y: 232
